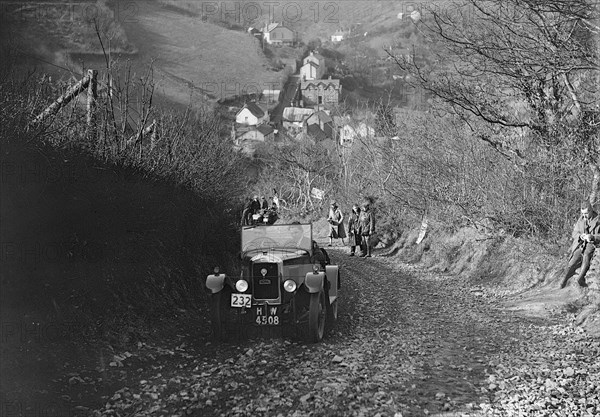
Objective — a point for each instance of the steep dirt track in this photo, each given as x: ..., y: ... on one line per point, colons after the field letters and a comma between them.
x: 406, y: 343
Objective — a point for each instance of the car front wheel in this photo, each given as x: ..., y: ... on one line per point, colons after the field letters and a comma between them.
x: 316, y: 317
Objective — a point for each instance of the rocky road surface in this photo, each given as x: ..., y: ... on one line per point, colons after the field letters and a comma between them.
x: 407, y: 343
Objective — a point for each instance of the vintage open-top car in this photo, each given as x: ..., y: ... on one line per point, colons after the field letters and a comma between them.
x: 284, y: 282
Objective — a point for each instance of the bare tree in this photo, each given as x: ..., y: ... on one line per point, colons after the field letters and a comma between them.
x: 527, y: 69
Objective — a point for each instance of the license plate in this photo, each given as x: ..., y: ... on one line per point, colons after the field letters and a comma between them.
x: 241, y: 300
x: 267, y: 315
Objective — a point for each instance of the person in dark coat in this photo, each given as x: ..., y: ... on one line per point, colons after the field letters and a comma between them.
x: 320, y: 255
x: 366, y: 228
x: 251, y: 207
x: 354, y: 237
x: 264, y: 205
x: 586, y: 233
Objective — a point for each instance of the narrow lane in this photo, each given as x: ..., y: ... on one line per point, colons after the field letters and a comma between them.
x: 406, y: 342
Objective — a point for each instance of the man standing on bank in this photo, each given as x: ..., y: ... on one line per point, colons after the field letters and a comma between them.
x: 586, y: 233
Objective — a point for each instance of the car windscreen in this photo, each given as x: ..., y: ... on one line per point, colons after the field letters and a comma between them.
x: 277, y: 235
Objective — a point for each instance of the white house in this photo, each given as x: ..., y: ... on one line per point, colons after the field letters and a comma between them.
x: 271, y: 96
x: 251, y: 114
x: 348, y: 132
x: 338, y: 36
x: 314, y: 57
x: 311, y: 71
x: 277, y: 34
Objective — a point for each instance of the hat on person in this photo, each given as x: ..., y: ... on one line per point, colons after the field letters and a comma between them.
x: 255, y: 197
x: 334, y: 204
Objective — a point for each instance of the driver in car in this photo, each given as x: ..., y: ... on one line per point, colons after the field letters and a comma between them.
x: 298, y: 239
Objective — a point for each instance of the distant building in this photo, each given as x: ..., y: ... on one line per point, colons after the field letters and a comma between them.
x: 252, y: 115
x: 316, y: 132
x: 311, y: 71
x: 324, y: 121
x: 320, y: 92
x: 277, y: 34
x: 294, y: 118
x: 338, y: 36
x: 255, y: 32
x: 270, y: 96
x: 315, y: 57
x: 247, y: 138
x: 347, y: 130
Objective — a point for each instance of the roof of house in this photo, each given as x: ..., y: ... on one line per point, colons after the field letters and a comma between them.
x: 322, y: 116
x: 272, y: 26
x: 314, y: 64
x: 315, y: 83
x: 265, y: 129
x: 296, y: 114
x: 316, y: 55
x: 254, y: 109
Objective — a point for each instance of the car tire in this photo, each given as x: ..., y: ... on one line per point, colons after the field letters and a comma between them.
x: 317, y: 315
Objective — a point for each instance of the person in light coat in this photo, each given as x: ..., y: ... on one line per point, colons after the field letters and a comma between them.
x: 336, y: 224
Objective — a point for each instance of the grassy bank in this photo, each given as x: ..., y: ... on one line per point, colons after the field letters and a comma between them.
x: 525, y: 273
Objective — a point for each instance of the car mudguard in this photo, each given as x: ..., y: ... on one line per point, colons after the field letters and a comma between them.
x: 332, y: 272
x: 215, y: 282
x: 314, y: 282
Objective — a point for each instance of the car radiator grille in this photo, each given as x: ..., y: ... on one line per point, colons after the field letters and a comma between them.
x: 265, y: 287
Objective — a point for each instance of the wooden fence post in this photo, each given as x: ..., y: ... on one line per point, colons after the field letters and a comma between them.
x: 92, y: 95
x: 63, y: 100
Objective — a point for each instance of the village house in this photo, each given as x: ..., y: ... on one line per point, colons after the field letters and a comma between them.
x: 294, y: 119
x: 311, y: 71
x: 270, y: 96
x: 277, y: 34
x: 315, y: 132
x: 255, y: 32
x: 347, y: 130
x: 252, y: 114
x: 338, y: 36
x: 314, y: 57
x: 320, y: 92
x: 323, y: 121
x: 247, y: 138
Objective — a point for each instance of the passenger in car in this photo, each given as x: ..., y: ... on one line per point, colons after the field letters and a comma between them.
x: 320, y: 255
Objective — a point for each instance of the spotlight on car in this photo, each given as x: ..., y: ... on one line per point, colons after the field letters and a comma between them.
x: 241, y: 285
x: 289, y: 285
x: 316, y: 268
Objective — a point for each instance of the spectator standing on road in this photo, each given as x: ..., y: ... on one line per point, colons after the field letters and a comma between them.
x: 586, y: 233
x: 336, y: 224
x: 354, y: 236
x: 366, y: 228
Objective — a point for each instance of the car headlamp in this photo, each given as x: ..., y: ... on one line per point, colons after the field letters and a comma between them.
x: 290, y: 285
x: 316, y: 268
x: 241, y: 285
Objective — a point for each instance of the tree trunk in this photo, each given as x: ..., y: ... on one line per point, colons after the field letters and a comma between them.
x: 595, y: 182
